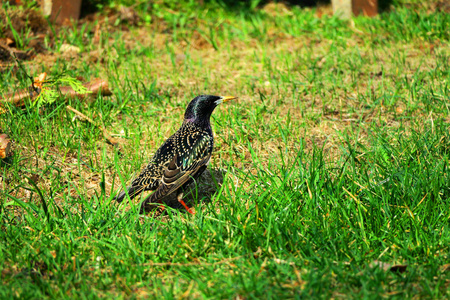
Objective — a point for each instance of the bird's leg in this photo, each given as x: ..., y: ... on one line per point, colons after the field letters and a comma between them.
x: 180, y: 199
x: 146, y: 206
x: 162, y: 207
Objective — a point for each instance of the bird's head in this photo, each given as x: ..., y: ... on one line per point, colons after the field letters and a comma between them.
x: 201, y: 107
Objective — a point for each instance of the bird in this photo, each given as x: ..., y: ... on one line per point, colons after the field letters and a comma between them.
x: 182, y: 158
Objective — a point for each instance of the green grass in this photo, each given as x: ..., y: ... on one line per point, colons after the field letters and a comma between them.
x: 335, y: 157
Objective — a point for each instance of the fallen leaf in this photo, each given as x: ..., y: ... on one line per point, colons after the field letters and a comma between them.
x: 388, y: 267
x: 9, y: 41
x: 66, y: 48
x: 445, y: 268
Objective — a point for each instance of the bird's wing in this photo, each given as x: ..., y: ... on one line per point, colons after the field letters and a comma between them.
x: 183, y: 167
x: 152, y: 173
x: 147, y: 180
x: 150, y: 176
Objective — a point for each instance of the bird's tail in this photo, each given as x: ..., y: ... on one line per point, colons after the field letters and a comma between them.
x: 132, y: 191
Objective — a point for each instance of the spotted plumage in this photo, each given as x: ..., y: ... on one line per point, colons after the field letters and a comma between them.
x: 182, y: 158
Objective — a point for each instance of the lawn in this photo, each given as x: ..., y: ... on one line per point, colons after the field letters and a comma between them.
x: 330, y: 175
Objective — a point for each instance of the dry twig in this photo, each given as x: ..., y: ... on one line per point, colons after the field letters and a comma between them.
x: 106, y: 134
x: 96, y: 87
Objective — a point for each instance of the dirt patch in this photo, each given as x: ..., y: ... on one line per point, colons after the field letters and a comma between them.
x: 23, y: 31
x: 26, y: 33
x: 23, y: 21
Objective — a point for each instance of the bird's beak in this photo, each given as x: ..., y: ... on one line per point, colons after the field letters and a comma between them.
x: 227, y: 98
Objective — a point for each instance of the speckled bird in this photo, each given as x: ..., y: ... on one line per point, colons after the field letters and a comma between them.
x: 182, y: 158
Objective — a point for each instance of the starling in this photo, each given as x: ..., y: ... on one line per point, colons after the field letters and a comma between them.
x: 182, y: 158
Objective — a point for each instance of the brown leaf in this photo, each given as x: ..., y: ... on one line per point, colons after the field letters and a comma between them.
x: 398, y: 268
x: 38, y: 81
x: 445, y: 268
x: 388, y: 267
x: 9, y: 42
x: 5, y: 145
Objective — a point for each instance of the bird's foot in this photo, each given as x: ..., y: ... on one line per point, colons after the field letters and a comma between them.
x: 145, y: 207
x: 180, y: 199
x: 161, y: 207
